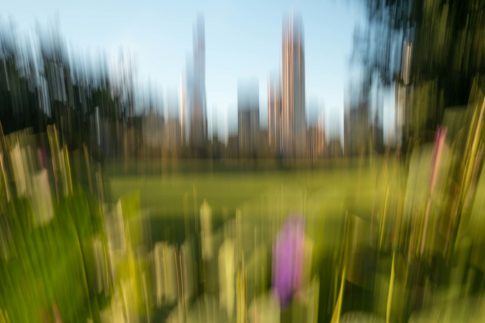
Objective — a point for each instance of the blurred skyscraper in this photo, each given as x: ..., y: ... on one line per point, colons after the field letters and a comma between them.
x: 193, y: 115
x: 316, y: 138
x: 293, y: 91
x: 248, y: 118
x: 274, y: 114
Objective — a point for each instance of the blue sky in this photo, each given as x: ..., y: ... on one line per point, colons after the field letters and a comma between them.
x: 243, y: 41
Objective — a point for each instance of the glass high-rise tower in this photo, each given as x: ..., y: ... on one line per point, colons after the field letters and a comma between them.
x: 293, y: 130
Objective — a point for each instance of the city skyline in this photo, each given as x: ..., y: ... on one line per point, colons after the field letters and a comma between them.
x: 253, y: 49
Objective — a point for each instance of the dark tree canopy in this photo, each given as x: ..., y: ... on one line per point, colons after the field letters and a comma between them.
x: 42, y: 84
x: 447, y: 43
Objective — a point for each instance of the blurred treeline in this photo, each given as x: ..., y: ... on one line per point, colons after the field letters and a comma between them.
x: 432, y: 52
x: 42, y: 84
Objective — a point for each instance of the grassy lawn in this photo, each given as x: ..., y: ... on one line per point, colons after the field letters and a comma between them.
x: 304, y: 190
x: 263, y: 198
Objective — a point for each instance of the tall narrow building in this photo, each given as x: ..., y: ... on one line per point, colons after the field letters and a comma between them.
x: 197, y: 101
x: 293, y: 89
x: 274, y: 114
x: 248, y: 118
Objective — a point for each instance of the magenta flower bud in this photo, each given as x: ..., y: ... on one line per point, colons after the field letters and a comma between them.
x: 288, y: 259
